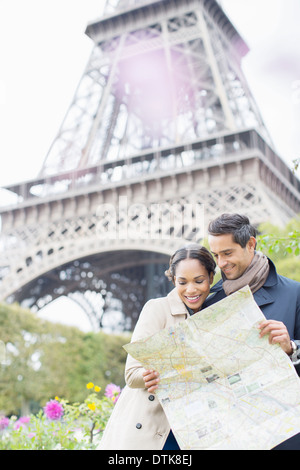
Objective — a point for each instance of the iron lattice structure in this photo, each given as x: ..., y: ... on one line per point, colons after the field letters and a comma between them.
x: 162, y: 135
x: 162, y: 73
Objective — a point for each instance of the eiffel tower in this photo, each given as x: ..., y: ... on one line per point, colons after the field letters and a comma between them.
x: 162, y: 135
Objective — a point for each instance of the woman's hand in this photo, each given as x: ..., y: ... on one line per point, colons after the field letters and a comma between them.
x: 278, y: 333
x: 151, y: 379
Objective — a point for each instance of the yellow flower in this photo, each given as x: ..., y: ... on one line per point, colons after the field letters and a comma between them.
x: 92, y: 406
x: 57, y: 398
x: 89, y: 385
x: 97, y: 389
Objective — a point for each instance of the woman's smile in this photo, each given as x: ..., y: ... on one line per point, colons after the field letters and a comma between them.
x: 192, y: 282
x: 193, y: 299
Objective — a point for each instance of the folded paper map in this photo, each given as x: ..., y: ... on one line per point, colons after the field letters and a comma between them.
x: 221, y: 385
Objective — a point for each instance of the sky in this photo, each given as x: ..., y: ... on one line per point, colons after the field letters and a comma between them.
x: 43, y: 53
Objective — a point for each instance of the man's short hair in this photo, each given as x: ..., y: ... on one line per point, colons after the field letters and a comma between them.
x: 236, y: 224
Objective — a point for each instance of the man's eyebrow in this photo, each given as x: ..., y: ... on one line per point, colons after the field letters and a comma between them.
x: 223, y: 251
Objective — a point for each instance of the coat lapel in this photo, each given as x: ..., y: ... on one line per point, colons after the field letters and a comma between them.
x: 262, y: 297
x: 177, y: 307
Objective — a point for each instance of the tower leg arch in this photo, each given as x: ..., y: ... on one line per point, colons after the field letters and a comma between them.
x: 111, y: 286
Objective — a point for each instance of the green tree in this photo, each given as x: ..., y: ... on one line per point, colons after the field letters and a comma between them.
x: 296, y: 163
x: 44, y: 360
x: 21, y: 334
x: 282, y: 245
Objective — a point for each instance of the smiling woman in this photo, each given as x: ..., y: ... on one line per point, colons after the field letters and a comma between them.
x: 138, y: 421
x: 193, y: 283
x: 192, y: 270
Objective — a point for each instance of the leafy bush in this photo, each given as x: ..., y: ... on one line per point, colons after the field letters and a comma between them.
x: 41, y: 359
x: 61, y: 425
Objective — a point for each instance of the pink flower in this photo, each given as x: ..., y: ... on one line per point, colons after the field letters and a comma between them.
x: 21, y: 421
x: 112, y: 391
x: 53, y: 410
x: 4, y: 422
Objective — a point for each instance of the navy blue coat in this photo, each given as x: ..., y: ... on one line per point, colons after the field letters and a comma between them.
x: 279, y: 299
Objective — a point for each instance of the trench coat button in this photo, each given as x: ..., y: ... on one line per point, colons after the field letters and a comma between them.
x: 151, y: 397
x: 138, y: 425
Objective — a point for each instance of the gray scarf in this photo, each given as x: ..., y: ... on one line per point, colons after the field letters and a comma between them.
x: 254, y: 276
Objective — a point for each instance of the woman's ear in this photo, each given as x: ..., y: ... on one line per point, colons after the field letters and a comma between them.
x: 211, y: 278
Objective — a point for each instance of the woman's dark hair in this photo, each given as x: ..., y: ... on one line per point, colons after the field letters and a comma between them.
x: 191, y: 251
x: 238, y: 225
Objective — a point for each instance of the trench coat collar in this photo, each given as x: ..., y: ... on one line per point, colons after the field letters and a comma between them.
x: 177, y: 306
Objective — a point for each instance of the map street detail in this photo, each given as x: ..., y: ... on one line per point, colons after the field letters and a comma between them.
x: 221, y: 385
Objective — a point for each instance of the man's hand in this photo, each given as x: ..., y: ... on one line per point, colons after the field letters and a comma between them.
x: 151, y: 379
x: 277, y: 334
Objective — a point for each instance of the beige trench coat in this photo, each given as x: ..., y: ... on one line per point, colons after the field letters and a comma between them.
x: 138, y: 421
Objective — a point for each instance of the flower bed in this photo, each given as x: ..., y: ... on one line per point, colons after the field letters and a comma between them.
x: 61, y: 425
